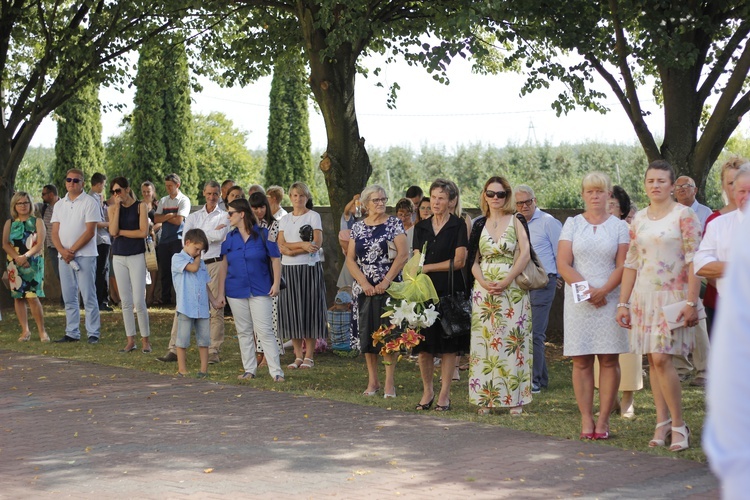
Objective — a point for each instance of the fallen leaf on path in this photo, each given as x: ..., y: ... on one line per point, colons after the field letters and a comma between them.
x: 208, y: 471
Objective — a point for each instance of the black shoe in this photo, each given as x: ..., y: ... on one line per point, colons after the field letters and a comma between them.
x: 535, y: 389
x: 93, y: 340
x: 105, y: 307
x: 169, y: 357
x: 66, y: 339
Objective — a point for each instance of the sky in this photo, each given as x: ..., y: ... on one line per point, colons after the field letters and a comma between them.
x: 471, y: 109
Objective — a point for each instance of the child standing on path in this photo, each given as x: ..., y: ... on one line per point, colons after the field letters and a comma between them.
x: 190, y: 278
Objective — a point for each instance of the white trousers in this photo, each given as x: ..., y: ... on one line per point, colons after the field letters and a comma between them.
x: 130, y: 273
x: 254, y: 316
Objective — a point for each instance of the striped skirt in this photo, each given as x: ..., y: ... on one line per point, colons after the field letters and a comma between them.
x: 302, y: 305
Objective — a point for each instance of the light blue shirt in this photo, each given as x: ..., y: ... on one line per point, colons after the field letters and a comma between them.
x: 702, y: 211
x: 190, y: 288
x: 545, y: 233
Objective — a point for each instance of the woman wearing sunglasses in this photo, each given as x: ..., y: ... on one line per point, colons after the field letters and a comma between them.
x: 501, y: 340
x: 129, y: 227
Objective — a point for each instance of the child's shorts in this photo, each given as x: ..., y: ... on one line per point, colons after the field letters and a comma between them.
x: 185, y: 326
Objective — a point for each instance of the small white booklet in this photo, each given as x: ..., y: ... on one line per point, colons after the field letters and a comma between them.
x: 580, y: 291
x: 671, y: 312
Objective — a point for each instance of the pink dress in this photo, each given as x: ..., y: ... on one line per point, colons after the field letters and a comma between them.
x: 661, y: 252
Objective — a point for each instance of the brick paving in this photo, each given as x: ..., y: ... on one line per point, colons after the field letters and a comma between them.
x: 80, y: 430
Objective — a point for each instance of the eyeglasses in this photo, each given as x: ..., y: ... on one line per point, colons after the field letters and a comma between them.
x: 116, y: 191
x: 22, y: 203
x: 527, y: 203
x: 496, y: 194
x: 74, y: 180
x: 232, y: 212
x: 378, y: 201
x: 684, y: 186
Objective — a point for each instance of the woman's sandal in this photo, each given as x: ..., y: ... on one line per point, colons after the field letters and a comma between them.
x: 370, y: 393
x: 308, y: 363
x: 297, y: 363
x: 484, y: 411
x: 425, y: 406
x: 516, y: 411
x: 25, y: 337
x: 661, y: 442
x: 685, y: 443
x: 443, y: 408
x: 44, y: 337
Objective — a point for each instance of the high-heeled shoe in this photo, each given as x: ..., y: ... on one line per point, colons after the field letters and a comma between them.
x: 129, y: 349
x: 587, y: 435
x: 44, y: 338
x: 661, y: 442
x: 425, y: 406
x: 370, y: 393
x: 685, y: 443
x: 387, y: 395
x: 601, y: 435
x: 25, y: 337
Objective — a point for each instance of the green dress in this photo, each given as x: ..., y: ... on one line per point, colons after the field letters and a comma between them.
x: 25, y: 282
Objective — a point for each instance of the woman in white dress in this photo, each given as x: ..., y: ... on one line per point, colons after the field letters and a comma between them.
x: 592, y: 248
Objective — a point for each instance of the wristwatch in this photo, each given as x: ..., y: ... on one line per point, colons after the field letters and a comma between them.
x: 691, y: 304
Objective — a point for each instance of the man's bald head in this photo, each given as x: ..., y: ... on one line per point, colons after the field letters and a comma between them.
x: 685, y: 190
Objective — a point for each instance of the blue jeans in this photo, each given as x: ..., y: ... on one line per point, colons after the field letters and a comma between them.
x: 83, y: 280
x: 541, y: 303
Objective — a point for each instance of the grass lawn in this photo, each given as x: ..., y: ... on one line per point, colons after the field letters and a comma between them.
x: 552, y: 413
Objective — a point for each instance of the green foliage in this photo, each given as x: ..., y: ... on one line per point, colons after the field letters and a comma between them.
x: 289, y: 158
x: 162, y: 121
x: 36, y: 171
x: 79, y: 135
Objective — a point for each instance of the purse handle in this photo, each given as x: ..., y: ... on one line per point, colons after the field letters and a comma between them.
x: 450, y: 270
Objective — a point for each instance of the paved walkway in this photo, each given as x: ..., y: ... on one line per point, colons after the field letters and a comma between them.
x: 75, y: 429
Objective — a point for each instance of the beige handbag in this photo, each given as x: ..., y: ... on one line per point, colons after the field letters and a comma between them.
x: 533, y: 276
x: 151, y: 263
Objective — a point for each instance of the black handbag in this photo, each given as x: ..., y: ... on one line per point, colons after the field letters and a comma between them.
x: 455, y: 312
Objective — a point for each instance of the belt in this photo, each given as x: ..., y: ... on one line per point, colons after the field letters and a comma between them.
x: 211, y: 261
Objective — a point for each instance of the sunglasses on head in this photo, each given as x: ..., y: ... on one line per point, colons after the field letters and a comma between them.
x: 496, y: 194
x: 116, y: 191
x: 74, y: 180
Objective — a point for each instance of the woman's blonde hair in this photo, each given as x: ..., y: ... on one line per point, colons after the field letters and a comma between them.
x: 596, y: 180
x: 15, y: 198
x: 734, y: 163
x: 509, y: 205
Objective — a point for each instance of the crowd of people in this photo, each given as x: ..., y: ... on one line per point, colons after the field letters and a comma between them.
x: 632, y: 280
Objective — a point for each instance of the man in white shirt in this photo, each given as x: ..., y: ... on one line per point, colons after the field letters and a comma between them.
x: 545, y: 233
x: 684, y: 193
x: 726, y: 435
x: 73, y: 229
x: 170, y: 213
x: 214, y: 222
x: 711, y: 259
x: 275, y: 195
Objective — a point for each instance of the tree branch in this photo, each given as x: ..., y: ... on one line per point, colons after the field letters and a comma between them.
x: 722, y: 60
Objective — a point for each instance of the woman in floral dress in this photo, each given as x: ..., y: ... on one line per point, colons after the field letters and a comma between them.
x: 659, y: 271
x: 23, y: 242
x: 373, y: 270
x: 500, y: 362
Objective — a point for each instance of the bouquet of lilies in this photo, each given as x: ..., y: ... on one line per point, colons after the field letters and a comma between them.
x: 406, y: 307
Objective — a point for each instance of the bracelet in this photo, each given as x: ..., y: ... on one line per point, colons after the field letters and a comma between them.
x: 691, y: 304
x: 623, y: 304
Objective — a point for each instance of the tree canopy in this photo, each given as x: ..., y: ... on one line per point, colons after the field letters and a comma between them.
x: 697, y: 53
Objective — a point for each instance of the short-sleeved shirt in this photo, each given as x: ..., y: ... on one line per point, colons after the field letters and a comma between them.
x: 716, y: 244
x: 248, y: 264
x: 442, y: 247
x: 73, y: 215
x: 371, y: 247
x: 46, y: 210
x: 179, y: 205
x: 290, y: 224
x: 192, y: 296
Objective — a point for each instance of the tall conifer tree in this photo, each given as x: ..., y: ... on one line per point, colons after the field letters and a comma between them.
x: 79, y: 135
x: 289, y: 157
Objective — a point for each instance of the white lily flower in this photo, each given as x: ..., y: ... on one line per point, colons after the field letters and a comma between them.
x: 430, y: 315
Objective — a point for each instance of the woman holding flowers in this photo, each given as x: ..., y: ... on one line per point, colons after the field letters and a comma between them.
x: 373, y: 269
x: 23, y: 242
x: 501, y: 343
x: 445, y: 238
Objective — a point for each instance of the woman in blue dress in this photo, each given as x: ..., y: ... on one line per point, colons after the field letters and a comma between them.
x: 23, y: 242
x: 373, y: 270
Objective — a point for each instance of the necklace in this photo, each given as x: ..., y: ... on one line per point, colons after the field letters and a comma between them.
x: 653, y: 215
x: 297, y: 218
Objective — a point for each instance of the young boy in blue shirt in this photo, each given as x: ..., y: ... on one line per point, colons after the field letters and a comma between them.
x: 190, y: 278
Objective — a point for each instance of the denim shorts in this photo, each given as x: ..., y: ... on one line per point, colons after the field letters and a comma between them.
x: 185, y: 326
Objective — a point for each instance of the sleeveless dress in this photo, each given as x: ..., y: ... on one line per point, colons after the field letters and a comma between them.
x: 500, y: 364
x: 25, y: 282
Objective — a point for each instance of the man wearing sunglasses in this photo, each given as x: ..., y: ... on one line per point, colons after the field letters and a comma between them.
x: 545, y: 232
x: 73, y: 233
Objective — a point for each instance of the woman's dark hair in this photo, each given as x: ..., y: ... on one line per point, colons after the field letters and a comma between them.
x: 242, y: 205
x: 257, y: 200
x: 236, y: 188
x: 623, y: 199
x: 405, y: 204
x: 425, y: 199
x: 123, y: 183
x: 446, y: 186
x: 662, y: 165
